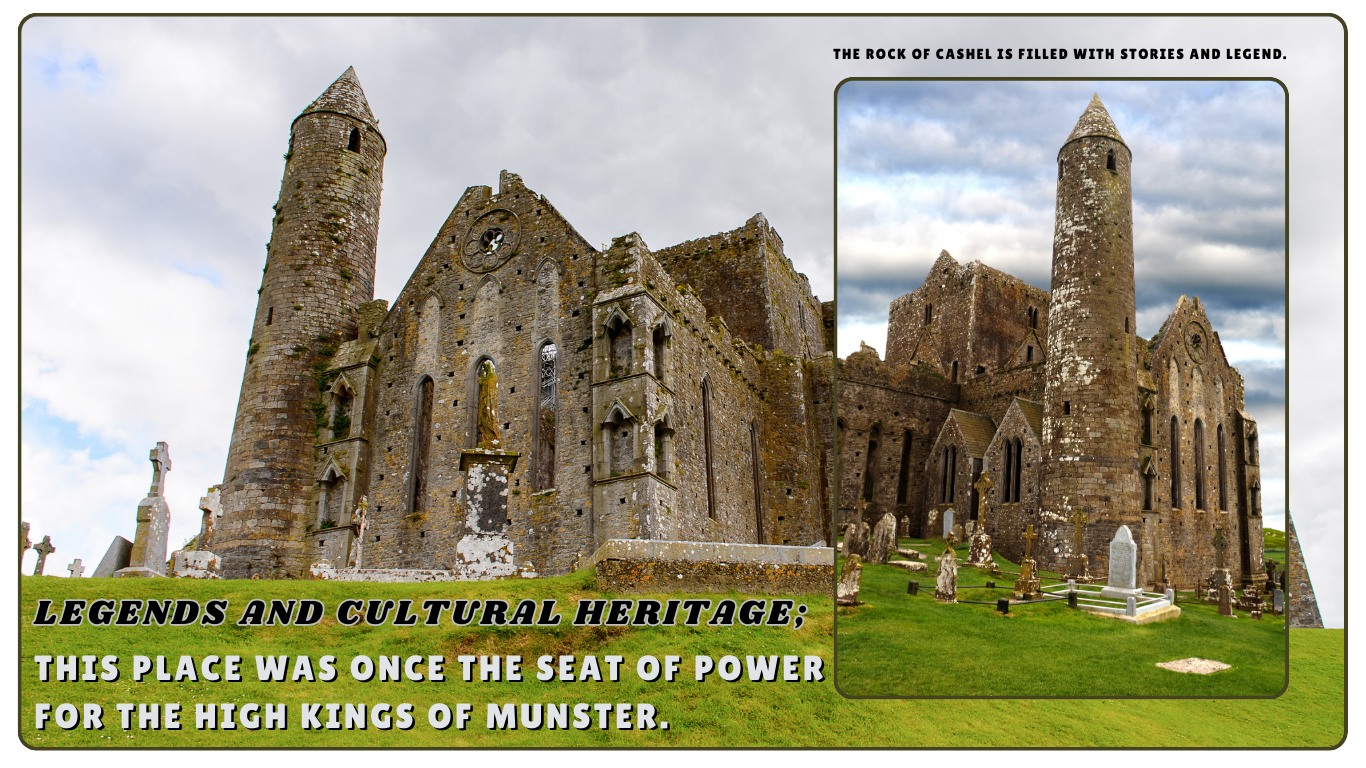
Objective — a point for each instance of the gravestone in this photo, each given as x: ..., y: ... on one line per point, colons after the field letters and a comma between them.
x: 1278, y: 601
x: 911, y: 554
x: 148, y: 558
x: 846, y: 593
x: 948, y: 522
x: 43, y: 548
x: 1027, y: 586
x: 883, y: 539
x: 24, y: 544
x: 75, y: 569
x: 1119, y: 584
x: 979, y: 555
x: 211, y: 504
x: 958, y: 532
x: 946, y: 583
x: 1225, y: 600
x: 195, y: 564
x: 856, y: 539
x: 116, y: 557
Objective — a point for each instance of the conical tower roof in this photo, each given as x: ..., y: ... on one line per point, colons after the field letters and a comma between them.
x: 1095, y: 121
x: 343, y: 96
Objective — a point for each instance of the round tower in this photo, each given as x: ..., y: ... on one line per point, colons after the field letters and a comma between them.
x: 320, y: 267
x: 1090, y: 429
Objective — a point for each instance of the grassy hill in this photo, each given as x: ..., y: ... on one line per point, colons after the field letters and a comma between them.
x: 713, y: 713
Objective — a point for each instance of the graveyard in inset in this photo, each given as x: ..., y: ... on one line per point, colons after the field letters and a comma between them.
x: 950, y: 616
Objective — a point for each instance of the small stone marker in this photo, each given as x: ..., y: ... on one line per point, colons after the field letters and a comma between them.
x: 1123, y: 565
x: 1195, y: 665
x: 24, y: 543
x: 948, y: 522
x: 946, y: 583
x: 959, y: 533
x: 846, y: 593
x: 44, y: 548
x: 1027, y: 586
x: 75, y: 569
x: 1225, y: 600
x: 1278, y: 601
x: 911, y: 554
x: 910, y: 565
x: 148, y: 558
x: 856, y: 539
x: 979, y: 555
x: 883, y: 539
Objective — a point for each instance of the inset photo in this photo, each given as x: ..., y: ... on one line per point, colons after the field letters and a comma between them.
x: 1061, y: 389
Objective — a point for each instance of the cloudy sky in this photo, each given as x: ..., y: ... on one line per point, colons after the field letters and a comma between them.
x: 152, y: 153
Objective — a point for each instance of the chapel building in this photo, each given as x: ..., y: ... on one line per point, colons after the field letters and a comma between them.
x: 1072, y: 418
x: 683, y: 393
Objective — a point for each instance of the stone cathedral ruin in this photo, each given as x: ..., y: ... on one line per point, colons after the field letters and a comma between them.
x: 526, y: 398
x: 1079, y: 425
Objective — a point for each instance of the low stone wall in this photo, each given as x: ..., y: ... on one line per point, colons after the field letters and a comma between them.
x: 325, y: 572
x: 631, y: 566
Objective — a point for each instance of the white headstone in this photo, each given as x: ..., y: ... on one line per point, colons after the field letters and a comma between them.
x: 1123, y: 566
x: 948, y: 522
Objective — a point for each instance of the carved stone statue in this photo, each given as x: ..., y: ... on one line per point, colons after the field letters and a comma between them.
x: 488, y: 407
x: 362, y: 525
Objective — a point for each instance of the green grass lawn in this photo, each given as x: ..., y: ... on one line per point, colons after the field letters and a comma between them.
x: 896, y: 644
x: 713, y: 713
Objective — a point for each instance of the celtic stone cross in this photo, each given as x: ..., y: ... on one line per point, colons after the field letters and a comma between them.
x: 1220, y: 543
x: 160, y: 457
x: 1029, y: 536
x: 983, y: 485
x: 1079, y: 519
x: 43, y: 548
x: 24, y: 543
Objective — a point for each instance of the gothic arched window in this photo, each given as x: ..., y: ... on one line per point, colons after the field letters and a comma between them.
x: 1223, y: 493
x: 1176, y: 464
x: 1199, y: 464
x: 422, y: 437
x: 548, y: 363
x: 706, y: 448
x: 903, y: 479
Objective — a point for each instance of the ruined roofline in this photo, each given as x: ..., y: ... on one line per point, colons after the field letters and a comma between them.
x: 975, y: 265
x: 766, y: 231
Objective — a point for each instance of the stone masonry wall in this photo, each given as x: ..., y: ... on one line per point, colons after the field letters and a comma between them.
x: 320, y: 266
x: 900, y: 400
x: 445, y: 321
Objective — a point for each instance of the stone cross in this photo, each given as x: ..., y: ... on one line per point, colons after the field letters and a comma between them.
x: 982, y: 485
x: 24, y: 543
x: 160, y: 457
x: 1220, y: 542
x: 1079, y: 520
x: 43, y: 548
x: 75, y: 569
x: 1029, y: 536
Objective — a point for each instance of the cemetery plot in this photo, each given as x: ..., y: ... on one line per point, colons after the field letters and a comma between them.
x: 894, y: 643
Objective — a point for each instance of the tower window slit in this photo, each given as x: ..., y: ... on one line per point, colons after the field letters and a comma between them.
x: 353, y: 143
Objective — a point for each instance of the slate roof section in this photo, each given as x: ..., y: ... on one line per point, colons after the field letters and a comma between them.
x: 1033, y: 415
x: 345, y: 97
x: 1095, y: 121
x: 977, y: 430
